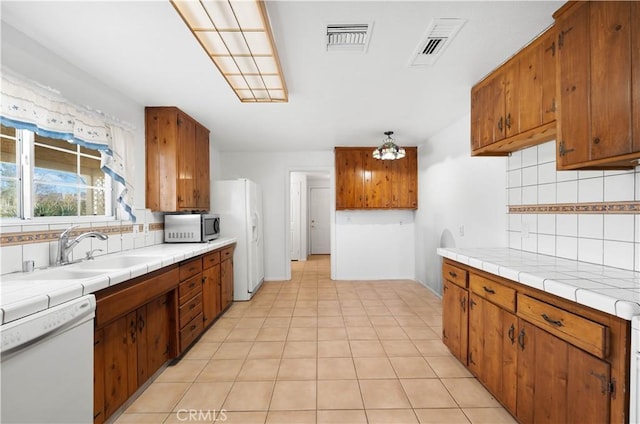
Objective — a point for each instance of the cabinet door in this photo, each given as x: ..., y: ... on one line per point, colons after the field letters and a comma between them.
x: 202, y: 168
x: 476, y: 117
x: 154, y: 328
x: 161, y: 129
x: 186, y: 172
x: 476, y: 330
x: 377, y: 187
x: 573, y: 62
x: 548, y: 103
x: 512, y: 102
x: 610, y: 30
x: 559, y: 382
x: 404, y: 186
x: 485, y: 115
x: 509, y: 381
x: 226, y: 277
x: 349, y: 178
x: 497, y: 107
x: 455, y: 320
x: 530, y: 89
x: 120, y: 362
x: 211, y: 305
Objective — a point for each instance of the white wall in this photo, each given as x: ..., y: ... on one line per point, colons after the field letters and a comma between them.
x: 375, y: 245
x: 31, y: 60
x: 456, y: 191
x: 271, y: 171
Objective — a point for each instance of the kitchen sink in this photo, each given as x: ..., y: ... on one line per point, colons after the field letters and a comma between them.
x: 114, y: 262
x: 59, y: 273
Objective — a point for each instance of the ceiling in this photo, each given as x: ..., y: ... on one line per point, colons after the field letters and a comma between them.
x: 144, y: 50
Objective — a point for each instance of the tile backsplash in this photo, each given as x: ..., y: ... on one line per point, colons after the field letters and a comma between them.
x: 25, y: 241
x: 591, y: 216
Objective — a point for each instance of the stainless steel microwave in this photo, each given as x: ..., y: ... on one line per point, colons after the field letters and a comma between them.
x: 191, y: 228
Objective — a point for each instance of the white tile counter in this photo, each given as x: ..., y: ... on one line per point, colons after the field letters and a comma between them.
x: 22, y: 294
x: 612, y: 290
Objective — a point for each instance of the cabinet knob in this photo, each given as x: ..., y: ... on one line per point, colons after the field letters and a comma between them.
x: 596, y: 140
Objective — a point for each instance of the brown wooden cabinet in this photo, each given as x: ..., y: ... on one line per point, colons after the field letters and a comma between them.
x: 546, y: 359
x: 143, y: 323
x: 598, y: 78
x: 559, y: 383
x: 363, y: 182
x: 131, y: 348
x: 177, y: 161
x: 211, y: 288
x: 514, y: 106
x: 226, y: 277
x: 455, y: 320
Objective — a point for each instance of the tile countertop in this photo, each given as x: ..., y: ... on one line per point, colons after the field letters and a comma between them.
x: 22, y: 294
x: 612, y: 290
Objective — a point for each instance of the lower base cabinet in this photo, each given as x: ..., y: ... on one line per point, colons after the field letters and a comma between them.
x: 143, y: 323
x: 547, y: 360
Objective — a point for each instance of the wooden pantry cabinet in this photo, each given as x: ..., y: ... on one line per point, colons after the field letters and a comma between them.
x: 546, y: 359
x: 598, y: 84
x: 515, y: 106
x: 177, y: 161
x: 143, y: 323
x: 363, y: 182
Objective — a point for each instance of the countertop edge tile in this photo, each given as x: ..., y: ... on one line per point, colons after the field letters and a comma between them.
x: 504, y: 262
x: 165, y: 254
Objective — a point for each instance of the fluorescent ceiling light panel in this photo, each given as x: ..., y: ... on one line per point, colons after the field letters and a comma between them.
x: 237, y: 37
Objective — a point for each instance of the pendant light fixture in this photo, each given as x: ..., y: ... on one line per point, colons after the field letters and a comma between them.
x: 388, y: 150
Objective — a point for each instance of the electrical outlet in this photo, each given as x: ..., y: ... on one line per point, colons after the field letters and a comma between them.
x: 135, y: 228
x: 461, y: 231
x: 146, y: 228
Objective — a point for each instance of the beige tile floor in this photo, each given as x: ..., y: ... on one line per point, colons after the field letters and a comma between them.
x: 313, y: 350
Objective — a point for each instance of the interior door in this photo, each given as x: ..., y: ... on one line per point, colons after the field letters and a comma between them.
x: 319, y: 208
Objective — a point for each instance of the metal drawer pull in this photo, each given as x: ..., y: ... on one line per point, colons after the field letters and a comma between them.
x: 488, y: 290
x: 452, y: 274
x: 557, y: 323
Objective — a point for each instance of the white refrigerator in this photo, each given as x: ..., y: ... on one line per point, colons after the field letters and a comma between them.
x: 239, y: 204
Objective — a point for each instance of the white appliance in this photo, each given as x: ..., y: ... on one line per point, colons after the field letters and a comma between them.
x: 239, y: 204
x: 634, y: 407
x: 46, y: 365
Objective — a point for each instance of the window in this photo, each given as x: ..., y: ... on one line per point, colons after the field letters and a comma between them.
x: 41, y: 176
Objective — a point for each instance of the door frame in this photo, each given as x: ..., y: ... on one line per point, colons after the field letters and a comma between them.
x: 326, y: 170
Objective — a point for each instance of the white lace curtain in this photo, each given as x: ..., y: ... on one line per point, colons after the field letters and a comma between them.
x: 27, y: 105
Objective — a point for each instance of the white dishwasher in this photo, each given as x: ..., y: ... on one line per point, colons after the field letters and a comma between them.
x: 46, y: 365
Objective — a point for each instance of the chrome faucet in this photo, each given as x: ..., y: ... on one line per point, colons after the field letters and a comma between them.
x: 65, y: 246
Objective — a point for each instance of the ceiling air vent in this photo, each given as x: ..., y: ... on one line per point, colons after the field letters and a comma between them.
x: 439, y: 35
x: 350, y: 37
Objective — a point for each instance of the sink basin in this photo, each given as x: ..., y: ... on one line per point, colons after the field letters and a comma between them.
x: 115, y: 262
x: 61, y: 273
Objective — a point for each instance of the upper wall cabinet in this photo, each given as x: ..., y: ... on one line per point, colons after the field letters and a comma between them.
x: 177, y: 158
x: 599, y: 84
x: 363, y: 182
x: 514, y: 106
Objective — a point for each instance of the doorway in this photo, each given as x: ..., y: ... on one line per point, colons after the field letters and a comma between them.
x: 310, y: 214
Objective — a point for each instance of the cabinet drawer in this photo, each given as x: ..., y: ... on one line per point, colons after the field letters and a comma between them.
x: 189, y: 333
x: 226, y: 253
x: 493, y: 291
x: 454, y: 274
x: 189, y: 288
x: 190, y: 268
x: 581, y: 332
x: 190, y: 309
x: 211, y: 259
